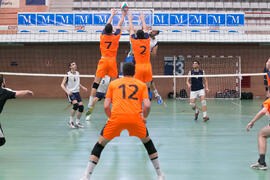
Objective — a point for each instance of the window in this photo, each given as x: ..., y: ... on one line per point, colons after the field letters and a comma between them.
x: 35, y: 2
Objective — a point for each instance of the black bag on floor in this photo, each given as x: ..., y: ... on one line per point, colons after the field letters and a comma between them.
x: 183, y: 93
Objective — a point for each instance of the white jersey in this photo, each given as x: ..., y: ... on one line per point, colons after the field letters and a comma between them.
x: 153, y: 43
x: 104, y: 83
x: 73, y: 82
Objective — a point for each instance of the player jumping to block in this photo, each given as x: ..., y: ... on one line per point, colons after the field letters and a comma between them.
x: 141, y: 50
x: 126, y: 96
x: 109, y: 42
x: 197, y: 86
x: 71, y: 85
x: 153, y: 52
x: 101, y: 92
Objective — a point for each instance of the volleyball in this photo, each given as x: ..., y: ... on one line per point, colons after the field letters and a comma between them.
x: 124, y: 5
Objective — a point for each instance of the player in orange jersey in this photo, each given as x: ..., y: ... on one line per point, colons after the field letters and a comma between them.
x: 141, y: 50
x: 262, y: 136
x: 109, y: 42
x: 126, y: 96
x: 267, y: 77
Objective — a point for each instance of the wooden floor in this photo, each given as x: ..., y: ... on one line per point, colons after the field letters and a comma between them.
x: 40, y: 145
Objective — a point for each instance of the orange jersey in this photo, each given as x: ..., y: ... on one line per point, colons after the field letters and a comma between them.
x: 268, y: 78
x: 127, y: 94
x: 141, y: 50
x: 266, y: 104
x: 109, y: 45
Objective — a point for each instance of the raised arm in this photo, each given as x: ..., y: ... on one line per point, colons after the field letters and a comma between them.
x: 114, y: 12
x: 124, y: 13
x: 131, y: 27
x: 144, y: 27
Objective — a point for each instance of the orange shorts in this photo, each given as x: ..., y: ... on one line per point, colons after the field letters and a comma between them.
x: 143, y: 72
x: 116, y: 124
x: 107, y: 66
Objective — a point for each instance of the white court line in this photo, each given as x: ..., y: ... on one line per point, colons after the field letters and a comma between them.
x: 239, y: 105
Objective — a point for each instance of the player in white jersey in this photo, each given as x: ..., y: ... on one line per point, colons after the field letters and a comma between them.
x: 101, y: 92
x: 71, y: 85
x: 153, y: 49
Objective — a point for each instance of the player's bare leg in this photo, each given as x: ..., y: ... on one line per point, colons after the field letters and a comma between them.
x: 72, y: 114
x: 204, y: 109
x: 92, y: 95
x: 153, y: 155
x: 194, y: 107
x: 94, y: 158
x: 79, y: 114
x: 92, y: 109
x: 262, y: 143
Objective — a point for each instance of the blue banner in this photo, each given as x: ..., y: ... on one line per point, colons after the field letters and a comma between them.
x: 27, y: 19
x: 197, y: 19
x: 178, y: 19
x: 216, y: 19
x: 45, y: 19
x: 235, y: 19
x: 156, y: 19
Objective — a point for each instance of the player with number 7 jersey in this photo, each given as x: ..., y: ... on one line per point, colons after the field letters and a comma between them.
x: 109, y: 42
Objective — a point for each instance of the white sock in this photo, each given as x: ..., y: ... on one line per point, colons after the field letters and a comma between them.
x: 204, y: 114
x: 156, y: 165
x: 90, y: 168
x: 70, y: 119
x: 77, y: 121
x: 196, y: 110
x: 156, y: 93
x: 91, y: 99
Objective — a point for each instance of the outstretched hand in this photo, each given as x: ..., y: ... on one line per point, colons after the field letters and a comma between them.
x: 114, y: 12
x: 30, y: 92
x: 250, y: 125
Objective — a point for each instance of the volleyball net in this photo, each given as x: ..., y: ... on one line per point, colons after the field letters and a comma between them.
x: 222, y: 73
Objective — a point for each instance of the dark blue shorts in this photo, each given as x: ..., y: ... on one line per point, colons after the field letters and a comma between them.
x: 74, y: 96
x: 100, y: 95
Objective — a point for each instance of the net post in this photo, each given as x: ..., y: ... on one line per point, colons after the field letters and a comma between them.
x: 174, y: 78
x: 240, y: 77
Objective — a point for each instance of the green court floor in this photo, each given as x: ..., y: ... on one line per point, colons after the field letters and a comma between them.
x: 40, y: 145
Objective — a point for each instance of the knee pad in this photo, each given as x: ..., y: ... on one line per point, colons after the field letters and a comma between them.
x: 75, y: 106
x: 97, y: 150
x: 95, y: 85
x: 2, y: 141
x: 81, y: 108
x: 150, y: 147
x: 203, y: 102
